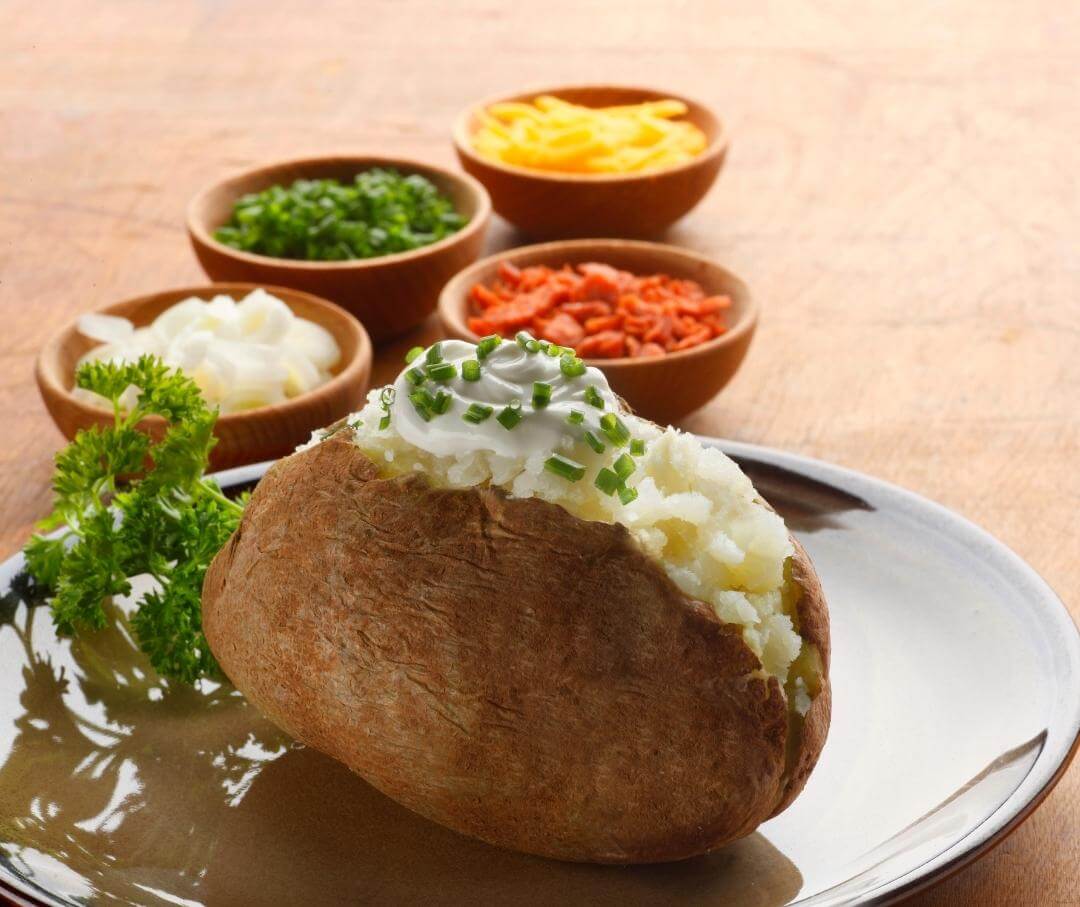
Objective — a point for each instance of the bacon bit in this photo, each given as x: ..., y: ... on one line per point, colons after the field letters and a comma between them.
x: 605, y: 345
x: 563, y: 330
x: 650, y: 349
x: 584, y: 310
x: 603, y: 323
x: 599, y: 310
x: 694, y: 339
x: 484, y: 297
x: 509, y: 273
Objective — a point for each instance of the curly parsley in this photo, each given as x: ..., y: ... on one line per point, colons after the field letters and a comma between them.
x: 126, y: 505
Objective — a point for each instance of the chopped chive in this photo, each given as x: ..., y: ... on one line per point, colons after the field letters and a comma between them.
x: 571, y: 366
x: 594, y: 442
x: 593, y: 398
x: 412, y: 354
x: 552, y: 349
x: 624, y: 466
x: 486, y: 345
x: 523, y: 338
x: 384, y: 422
x: 416, y: 376
x: 386, y: 396
x: 541, y: 394
x: 607, y: 481
x: 562, y: 466
x: 533, y: 346
x: 477, y: 413
x: 441, y: 371
x: 612, y: 426
x: 422, y: 402
x: 637, y: 447
x: 442, y: 402
x: 576, y: 417
x: 470, y: 370
x: 627, y: 494
x: 434, y: 354
x: 510, y: 416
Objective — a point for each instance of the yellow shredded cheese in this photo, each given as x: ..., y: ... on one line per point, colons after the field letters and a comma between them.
x: 553, y: 134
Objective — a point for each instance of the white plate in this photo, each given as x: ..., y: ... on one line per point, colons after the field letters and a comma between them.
x: 956, y: 683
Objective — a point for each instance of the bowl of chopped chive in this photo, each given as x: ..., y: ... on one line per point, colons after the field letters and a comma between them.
x: 264, y: 432
x: 668, y: 327
x: 377, y: 236
x: 592, y: 160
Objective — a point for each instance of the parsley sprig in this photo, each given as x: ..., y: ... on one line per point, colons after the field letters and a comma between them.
x: 127, y: 505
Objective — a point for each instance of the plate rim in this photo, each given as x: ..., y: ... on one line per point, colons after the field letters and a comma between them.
x: 1051, y: 765
x: 1048, y: 769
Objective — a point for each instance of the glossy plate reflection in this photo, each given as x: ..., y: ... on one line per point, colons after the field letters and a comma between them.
x: 956, y: 678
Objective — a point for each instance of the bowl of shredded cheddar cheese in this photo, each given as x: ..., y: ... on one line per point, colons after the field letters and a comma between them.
x: 592, y: 159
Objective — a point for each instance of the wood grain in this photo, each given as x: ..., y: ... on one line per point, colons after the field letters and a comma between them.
x: 901, y: 196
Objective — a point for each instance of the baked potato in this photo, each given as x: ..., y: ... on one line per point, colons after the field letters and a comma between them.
x: 635, y: 675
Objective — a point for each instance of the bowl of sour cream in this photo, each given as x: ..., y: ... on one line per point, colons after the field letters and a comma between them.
x: 277, y: 363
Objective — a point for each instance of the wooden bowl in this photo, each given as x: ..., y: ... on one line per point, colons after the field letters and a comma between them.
x: 250, y: 436
x: 550, y: 205
x: 661, y: 388
x: 389, y: 294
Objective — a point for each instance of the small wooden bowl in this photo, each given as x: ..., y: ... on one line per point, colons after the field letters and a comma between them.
x: 250, y: 436
x: 549, y: 205
x: 389, y: 294
x: 661, y: 388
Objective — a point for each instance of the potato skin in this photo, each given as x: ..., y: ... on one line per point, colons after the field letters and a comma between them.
x: 502, y: 667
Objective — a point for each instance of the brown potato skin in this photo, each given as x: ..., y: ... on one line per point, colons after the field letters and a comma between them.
x: 502, y: 667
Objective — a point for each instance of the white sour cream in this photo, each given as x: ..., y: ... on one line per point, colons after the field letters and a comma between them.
x: 507, y: 374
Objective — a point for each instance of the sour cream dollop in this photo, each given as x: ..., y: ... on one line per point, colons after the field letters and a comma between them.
x: 242, y: 354
x: 507, y: 374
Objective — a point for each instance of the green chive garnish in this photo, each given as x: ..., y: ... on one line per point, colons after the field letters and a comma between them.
x: 593, y: 398
x: 441, y: 371
x: 552, y: 349
x: 386, y: 398
x: 576, y: 417
x: 477, y: 413
x: 470, y: 370
x: 422, y: 402
x: 562, y: 466
x: 434, y: 354
x: 594, y: 442
x: 416, y: 376
x: 637, y: 447
x: 571, y: 366
x: 523, y: 338
x: 607, y: 481
x: 624, y: 466
x: 612, y: 426
x: 541, y: 394
x: 442, y: 403
x: 627, y: 494
x: 486, y: 345
x: 412, y: 354
x: 510, y: 416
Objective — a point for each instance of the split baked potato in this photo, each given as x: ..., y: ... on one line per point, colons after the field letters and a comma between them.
x: 541, y: 667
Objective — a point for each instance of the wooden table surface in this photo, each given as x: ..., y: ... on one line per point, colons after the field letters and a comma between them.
x: 901, y: 194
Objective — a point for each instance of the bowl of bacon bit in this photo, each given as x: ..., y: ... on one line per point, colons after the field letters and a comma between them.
x: 668, y: 327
